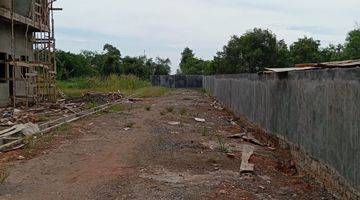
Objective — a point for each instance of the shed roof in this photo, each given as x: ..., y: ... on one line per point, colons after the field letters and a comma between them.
x: 312, y: 66
x: 338, y: 64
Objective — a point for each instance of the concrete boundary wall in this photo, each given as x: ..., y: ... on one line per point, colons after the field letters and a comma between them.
x: 317, y: 111
x: 178, y: 81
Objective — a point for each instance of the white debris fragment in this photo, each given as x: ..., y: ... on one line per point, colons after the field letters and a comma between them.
x: 30, y: 129
x: 174, y: 123
x: 16, y: 111
x: 200, y: 120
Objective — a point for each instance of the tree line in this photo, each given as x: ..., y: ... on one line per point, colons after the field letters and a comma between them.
x: 110, y: 61
x: 258, y: 49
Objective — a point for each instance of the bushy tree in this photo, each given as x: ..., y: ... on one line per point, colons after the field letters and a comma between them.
x: 282, y: 58
x: 138, y: 66
x: 251, y: 52
x: 190, y: 65
x: 352, y: 44
x: 332, y: 53
x: 92, y: 63
x: 71, y: 65
x: 161, y: 66
x: 112, y: 59
x: 305, y: 50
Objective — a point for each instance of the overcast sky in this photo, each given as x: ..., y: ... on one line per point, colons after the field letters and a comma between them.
x: 165, y: 27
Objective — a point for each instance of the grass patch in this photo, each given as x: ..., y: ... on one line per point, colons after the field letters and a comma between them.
x: 91, y: 105
x: 169, y: 109
x: 117, y: 108
x: 204, y: 91
x: 34, y: 143
x: 128, y: 85
x: 4, y: 173
x: 150, y: 92
x: 37, y: 142
x: 222, y: 144
x: 183, y: 111
x: 147, y: 107
x: 44, y: 118
x: 213, y: 159
x: 205, y: 131
x: 63, y: 127
x: 129, y: 125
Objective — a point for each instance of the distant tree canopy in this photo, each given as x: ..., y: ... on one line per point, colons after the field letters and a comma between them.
x: 248, y: 53
x: 259, y: 48
x: 190, y: 64
x: 90, y: 63
x: 305, y: 50
x: 352, y: 44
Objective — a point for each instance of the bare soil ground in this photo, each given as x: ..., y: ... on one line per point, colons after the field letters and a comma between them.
x: 99, y: 158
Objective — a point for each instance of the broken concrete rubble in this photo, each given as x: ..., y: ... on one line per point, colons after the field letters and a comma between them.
x: 200, y: 120
x: 44, y: 117
x: 247, y: 152
x: 174, y: 123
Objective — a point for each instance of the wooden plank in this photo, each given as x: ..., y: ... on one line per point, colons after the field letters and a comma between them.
x: 10, y: 133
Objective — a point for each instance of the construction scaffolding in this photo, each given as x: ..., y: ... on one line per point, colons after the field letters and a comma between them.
x: 36, y: 78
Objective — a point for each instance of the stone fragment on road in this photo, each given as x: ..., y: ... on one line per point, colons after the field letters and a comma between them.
x: 200, y: 120
x: 247, y: 152
x: 237, y: 136
x: 174, y: 123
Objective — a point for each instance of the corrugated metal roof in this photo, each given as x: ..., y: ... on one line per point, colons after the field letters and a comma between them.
x: 340, y: 64
x: 279, y: 70
x: 312, y: 66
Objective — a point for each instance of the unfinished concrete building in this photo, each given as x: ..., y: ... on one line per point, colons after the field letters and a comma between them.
x: 27, y: 45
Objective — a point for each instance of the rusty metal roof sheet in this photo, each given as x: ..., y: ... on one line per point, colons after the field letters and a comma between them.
x: 312, y: 66
x: 339, y: 64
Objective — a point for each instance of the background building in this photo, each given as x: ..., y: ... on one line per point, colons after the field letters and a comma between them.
x: 27, y: 45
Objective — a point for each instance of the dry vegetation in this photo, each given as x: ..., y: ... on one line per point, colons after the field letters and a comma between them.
x: 129, y: 85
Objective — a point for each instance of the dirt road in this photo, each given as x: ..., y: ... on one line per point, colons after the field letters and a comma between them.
x: 144, y: 153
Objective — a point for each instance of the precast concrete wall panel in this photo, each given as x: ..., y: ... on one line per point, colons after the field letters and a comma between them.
x: 317, y: 110
x: 178, y: 81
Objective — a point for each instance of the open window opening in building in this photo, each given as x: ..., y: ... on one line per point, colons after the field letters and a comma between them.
x: 3, y: 70
x: 3, y: 73
x: 22, y: 58
x: 11, y: 83
x: 24, y: 70
x: 2, y: 56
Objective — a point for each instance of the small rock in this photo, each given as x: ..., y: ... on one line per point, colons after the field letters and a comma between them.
x: 233, y: 123
x: 16, y: 111
x: 174, y: 123
x: 272, y: 148
x: 238, y: 135
x: 200, y: 120
x: 230, y: 155
x: 222, y: 191
x: 126, y: 129
x: 20, y: 157
x: 9, y: 123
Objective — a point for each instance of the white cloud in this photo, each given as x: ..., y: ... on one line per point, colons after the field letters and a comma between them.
x: 165, y: 27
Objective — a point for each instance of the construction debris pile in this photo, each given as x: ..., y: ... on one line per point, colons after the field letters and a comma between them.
x: 101, y: 97
x: 17, y: 123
